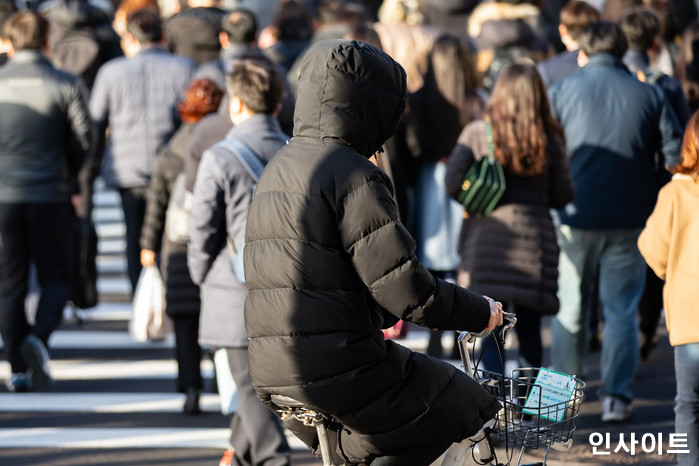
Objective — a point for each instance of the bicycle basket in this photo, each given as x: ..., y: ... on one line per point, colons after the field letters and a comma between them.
x: 531, y: 427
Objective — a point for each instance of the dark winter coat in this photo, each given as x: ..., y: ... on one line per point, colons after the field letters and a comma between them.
x: 558, y: 68
x: 328, y: 265
x: 181, y: 294
x: 193, y: 33
x: 45, y: 129
x: 512, y: 254
x: 639, y: 61
x: 613, y: 132
x: 81, y: 38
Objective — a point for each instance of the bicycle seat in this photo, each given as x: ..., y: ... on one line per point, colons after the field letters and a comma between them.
x: 296, y: 410
x: 287, y: 402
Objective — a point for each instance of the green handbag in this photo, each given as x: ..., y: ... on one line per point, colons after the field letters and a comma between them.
x: 484, y: 183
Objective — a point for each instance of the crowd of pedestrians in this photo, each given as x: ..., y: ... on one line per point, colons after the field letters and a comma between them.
x: 584, y: 103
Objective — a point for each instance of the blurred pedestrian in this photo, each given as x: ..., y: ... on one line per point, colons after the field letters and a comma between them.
x: 82, y: 37
x: 194, y: 31
x: 133, y: 103
x: 614, y: 126
x: 7, y: 8
x: 238, y: 38
x: 182, y: 303
x: 45, y: 136
x: 405, y: 38
x: 687, y: 69
x: 575, y: 15
x: 126, y: 8
x: 668, y: 244
x: 288, y: 35
x: 448, y: 100
x: 507, y: 31
x: 511, y: 254
x: 642, y: 28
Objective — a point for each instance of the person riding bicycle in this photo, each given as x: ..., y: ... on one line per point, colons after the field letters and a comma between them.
x: 328, y: 265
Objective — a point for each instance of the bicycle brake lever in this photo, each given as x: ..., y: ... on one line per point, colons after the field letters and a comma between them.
x: 509, y: 319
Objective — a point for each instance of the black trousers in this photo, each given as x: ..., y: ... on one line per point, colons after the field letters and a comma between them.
x: 651, y: 304
x: 133, y: 203
x: 39, y: 234
x: 256, y: 432
x: 187, y: 352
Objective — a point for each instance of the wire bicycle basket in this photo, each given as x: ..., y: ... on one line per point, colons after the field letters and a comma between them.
x: 525, y: 420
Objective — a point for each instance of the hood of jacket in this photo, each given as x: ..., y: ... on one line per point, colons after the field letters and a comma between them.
x: 349, y: 91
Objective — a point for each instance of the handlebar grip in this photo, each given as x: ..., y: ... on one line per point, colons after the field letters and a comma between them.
x: 509, y: 320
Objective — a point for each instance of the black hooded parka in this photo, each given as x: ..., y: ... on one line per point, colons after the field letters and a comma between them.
x: 328, y: 265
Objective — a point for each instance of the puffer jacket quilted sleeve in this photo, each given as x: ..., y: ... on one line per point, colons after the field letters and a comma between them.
x: 382, y: 253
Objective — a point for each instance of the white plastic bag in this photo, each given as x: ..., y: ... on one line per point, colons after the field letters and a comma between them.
x: 148, y: 320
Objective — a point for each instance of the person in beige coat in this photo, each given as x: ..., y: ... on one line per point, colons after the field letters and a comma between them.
x: 668, y: 243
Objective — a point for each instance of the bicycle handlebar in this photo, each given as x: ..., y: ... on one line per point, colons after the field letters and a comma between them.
x: 509, y: 320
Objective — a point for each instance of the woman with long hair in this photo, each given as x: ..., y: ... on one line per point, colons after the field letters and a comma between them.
x: 511, y: 254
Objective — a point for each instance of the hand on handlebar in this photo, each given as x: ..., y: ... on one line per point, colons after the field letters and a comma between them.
x: 495, y: 315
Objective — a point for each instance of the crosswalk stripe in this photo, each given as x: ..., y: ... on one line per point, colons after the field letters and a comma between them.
x: 76, y: 369
x: 122, y: 437
x: 113, y: 438
x: 94, y: 339
x: 102, y: 402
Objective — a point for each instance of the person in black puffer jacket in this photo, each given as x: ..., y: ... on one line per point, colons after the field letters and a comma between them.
x: 328, y: 265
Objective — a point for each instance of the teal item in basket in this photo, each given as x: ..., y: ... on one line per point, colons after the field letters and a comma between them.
x: 484, y: 183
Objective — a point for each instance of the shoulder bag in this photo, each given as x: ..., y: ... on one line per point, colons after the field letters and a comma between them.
x: 484, y: 183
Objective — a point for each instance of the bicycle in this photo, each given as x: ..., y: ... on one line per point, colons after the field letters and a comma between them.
x: 529, y: 427
x: 524, y: 421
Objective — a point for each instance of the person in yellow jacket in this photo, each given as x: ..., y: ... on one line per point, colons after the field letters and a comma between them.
x: 668, y: 243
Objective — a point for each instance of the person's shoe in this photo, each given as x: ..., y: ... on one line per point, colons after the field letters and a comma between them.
x: 37, y: 358
x: 19, y: 382
x: 227, y: 459
x: 191, y: 404
x: 615, y: 409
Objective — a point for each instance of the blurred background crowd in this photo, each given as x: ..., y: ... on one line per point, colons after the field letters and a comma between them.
x: 153, y: 86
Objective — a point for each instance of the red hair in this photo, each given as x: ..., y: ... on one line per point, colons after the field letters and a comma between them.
x: 202, y: 97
